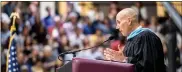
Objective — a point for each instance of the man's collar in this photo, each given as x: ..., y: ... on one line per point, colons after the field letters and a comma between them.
x: 135, y: 32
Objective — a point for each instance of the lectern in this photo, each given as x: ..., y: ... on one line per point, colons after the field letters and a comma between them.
x: 87, y: 65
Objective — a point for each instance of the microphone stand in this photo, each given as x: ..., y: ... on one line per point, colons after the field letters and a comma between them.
x: 74, y: 51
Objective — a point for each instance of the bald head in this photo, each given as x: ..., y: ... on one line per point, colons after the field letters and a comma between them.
x: 127, y: 20
x: 128, y: 12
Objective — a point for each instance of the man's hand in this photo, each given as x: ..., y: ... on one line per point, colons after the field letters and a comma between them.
x: 110, y: 54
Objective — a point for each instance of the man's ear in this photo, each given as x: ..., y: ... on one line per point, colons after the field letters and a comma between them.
x: 129, y: 21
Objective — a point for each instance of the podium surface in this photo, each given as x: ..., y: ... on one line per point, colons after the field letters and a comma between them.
x: 87, y: 65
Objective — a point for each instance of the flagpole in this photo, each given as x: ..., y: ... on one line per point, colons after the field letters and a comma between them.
x: 12, y: 29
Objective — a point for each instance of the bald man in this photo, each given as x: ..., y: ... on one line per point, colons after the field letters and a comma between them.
x: 143, y: 48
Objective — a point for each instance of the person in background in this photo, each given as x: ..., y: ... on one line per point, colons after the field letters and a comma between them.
x: 71, y: 8
x: 54, y: 30
x: 38, y: 32
x: 49, y: 59
x: 19, y: 21
x: 48, y: 21
x: 154, y: 25
x: 71, y: 24
x: 156, y: 28
x: 107, y: 26
x: 94, y: 53
x: 100, y: 36
x: 113, y: 9
x: 141, y: 9
x: 99, y: 15
x: 88, y: 28
x: 33, y: 7
x: 20, y: 39
x: 77, y: 38
x: 22, y: 61
x: 103, y: 26
x: 64, y: 43
x: 96, y: 14
x: 38, y: 67
x: 5, y: 33
x: 8, y: 8
x: 27, y: 51
x: 65, y: 46
x: 54, y: 45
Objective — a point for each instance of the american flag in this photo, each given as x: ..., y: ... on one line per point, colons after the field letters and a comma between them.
x: 12, y: 58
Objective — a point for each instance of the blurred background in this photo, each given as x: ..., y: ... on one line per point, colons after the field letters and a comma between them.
x: 46, y: 29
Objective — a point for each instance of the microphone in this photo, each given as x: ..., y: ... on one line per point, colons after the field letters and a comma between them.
x: 113, y: 36
x: 115, y: 33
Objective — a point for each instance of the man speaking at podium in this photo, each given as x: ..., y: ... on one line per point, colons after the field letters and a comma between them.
x: 143, y: 48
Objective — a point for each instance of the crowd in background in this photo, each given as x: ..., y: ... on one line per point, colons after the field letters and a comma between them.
x: 40, y: 41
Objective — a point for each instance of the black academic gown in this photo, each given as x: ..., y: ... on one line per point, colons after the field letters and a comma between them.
x: 145, y: 52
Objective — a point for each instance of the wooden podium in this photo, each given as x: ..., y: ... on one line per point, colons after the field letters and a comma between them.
x: 87, y: 65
